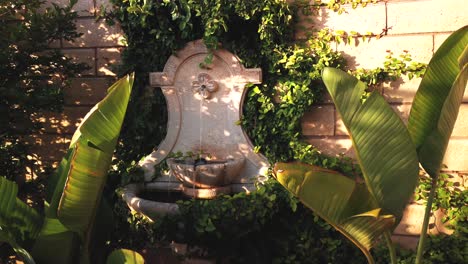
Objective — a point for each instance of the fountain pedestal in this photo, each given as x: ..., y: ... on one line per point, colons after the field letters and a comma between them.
x: 204, y: 107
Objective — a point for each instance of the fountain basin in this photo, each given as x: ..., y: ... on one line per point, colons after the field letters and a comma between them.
x: 133, y: 195
x: 207, y: 174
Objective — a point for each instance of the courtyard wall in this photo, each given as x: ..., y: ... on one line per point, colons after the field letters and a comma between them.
x: 418, y: 27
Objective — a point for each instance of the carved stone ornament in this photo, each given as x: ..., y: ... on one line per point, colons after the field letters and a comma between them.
x: 205, y: 86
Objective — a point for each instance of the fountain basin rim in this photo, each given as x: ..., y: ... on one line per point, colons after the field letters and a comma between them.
x: 147, y: 207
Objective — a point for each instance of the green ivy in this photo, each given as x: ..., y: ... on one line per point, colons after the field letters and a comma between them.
x: 450, y: 196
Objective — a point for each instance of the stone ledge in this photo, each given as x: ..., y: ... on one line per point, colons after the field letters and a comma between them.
x: 86, y: 91
x: 319, y: 121
x: 106, y: 58
x: 65, y: 122
x: 407, y: 17
x: 333, y: 145
x: 83, y: 56
x: 96, y: 34
x: 455, y: 156
x: 46, y: 147
x: 369, y: 19
x: 372, y: 54
x: 82, y: 7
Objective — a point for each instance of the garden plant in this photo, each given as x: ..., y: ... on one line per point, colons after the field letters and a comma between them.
x: 387, y: 152
x: 75, y: 217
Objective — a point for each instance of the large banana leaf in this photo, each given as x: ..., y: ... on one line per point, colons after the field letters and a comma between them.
x: 86, y: 168
x: 81, y: 176
x: 19, y: 223
x: 343, y: 203
x: 383, y: 146
x: 436, y: 104
x: 56, y: 243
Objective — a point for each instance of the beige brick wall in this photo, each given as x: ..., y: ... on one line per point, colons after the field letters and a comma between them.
x: 99, y: 47
x: 418, y: 27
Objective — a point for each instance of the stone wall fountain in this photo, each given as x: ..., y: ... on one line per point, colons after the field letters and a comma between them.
x: 204, y: 106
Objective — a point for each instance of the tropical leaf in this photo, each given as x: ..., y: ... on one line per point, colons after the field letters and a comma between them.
x: 124, y: 256
x: 17, y: 219
x: 343, y: 203
x: 80, y: 178
x: 56, y: 243
x: 85, y: 180
x: 83, y: 172
x: 19, y: 223
x: 8, y: 191
x: 383, y: 146
x: 437, y: 102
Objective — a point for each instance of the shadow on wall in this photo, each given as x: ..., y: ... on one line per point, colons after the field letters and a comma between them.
x: 50, y: 143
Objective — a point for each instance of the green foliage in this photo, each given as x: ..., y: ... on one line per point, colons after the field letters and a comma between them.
x: 82, y: 174
x: 392, y: 69
x: 32, y: 76
x: 348, y: 206
x: 19, y: 223
x: 308, y: 7
x: 244, y: 228
x: 72, y: 206
x: 435, y: 109
x: 450, y: 197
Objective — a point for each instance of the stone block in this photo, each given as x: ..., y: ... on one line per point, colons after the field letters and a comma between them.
x: 465, y: 95
x: 340, y: 128
x: 46, y: 147
x: 333, y: 145
x: 50, y: 121
x: 371, y: 54
x: 64, y: 122
x: 86, y: 91
x: 401, y: 90
x: 406, y: 17
x: 72, y: 117
x: 82, y: 7
x: 439, y: 38
x: 411, y: 222
x: 319, y: 121
x: 461, y: 125
x: 455, y: 157
x: 369, y: 19
x: 56, y: 44
x: 103, y: 4
x: 402, y: 110
x: 96, y: 34
x: 107, y: 59
x: 83, y: 56
x: 406, y: 242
